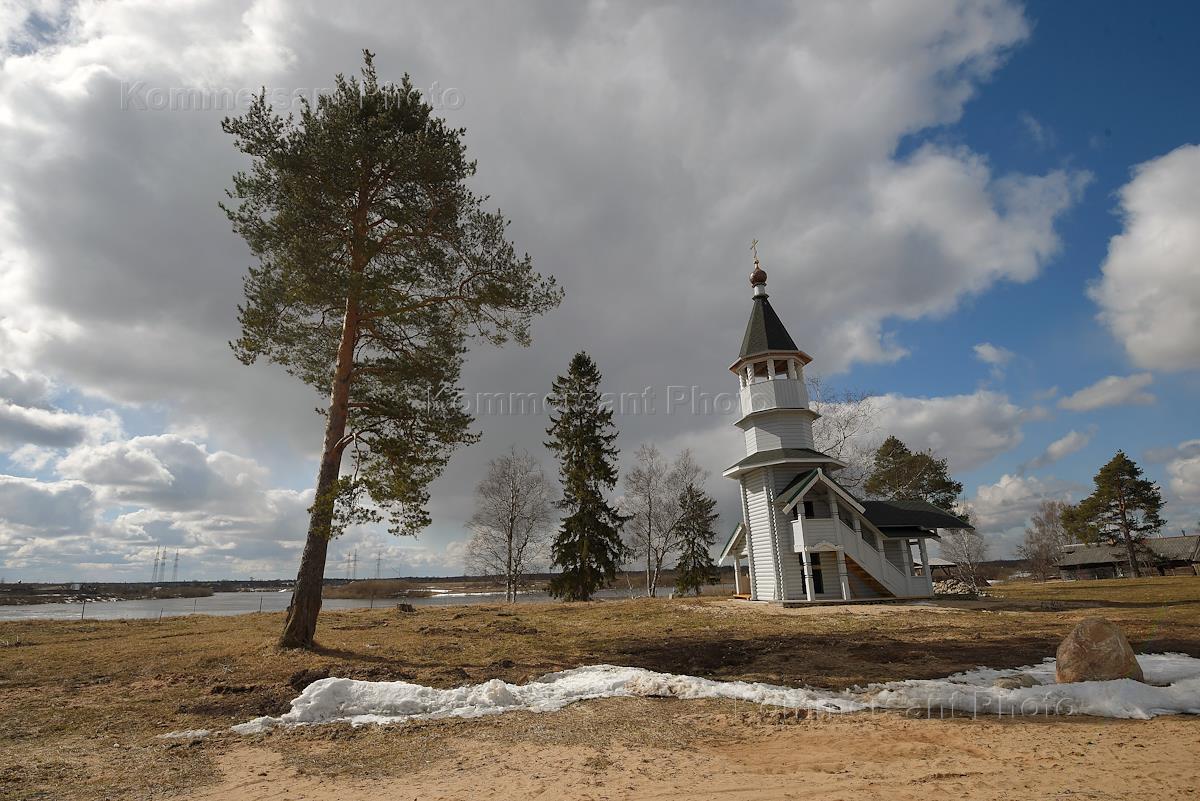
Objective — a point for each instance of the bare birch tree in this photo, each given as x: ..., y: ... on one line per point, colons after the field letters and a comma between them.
x: 967, y: 550
x: 1045, y: 537
x: 845, y: 430
x: 512, y: 522
x: 652, y: 490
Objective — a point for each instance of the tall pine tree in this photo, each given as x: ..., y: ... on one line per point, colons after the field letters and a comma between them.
x: 588, y: 548
x: 1122, y: 511
x: 900, y: 474
x: 377, y: 265
x: 695, y: 567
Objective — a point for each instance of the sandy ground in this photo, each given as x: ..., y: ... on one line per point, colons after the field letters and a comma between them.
x: 84, y: 704
x: 740, y: 755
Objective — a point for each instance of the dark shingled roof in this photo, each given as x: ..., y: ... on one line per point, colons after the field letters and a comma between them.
x: 764, y: 457
x: 908, y: 514
x: 765, y: 331
x: 1168, y: 549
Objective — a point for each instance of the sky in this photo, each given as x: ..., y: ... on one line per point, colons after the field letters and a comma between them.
x: 985, y: 213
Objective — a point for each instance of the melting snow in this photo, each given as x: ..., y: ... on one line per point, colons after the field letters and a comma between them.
x: 361, y: 702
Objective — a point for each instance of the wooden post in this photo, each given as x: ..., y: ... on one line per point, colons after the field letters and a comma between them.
x: 83, y: 609
x: 842, y: 576
x: 808, y: 575
x: 925, y: 565
x: 260, y: 602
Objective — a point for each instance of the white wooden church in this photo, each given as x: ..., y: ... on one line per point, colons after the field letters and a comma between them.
x: 803, y: 537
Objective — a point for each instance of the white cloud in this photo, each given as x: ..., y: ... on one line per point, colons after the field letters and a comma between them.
x: 168, y: 473
x: 967, y: 430
x: 991, y: 354
x: 1111, y: 391
x: 995, y: 356
x: 781, y: 121
x: 1040, y: 133
x: 1000, y: 510
x: 1064, y: 446
x: 1183, y: 470
x: 1148, y: 294
x: 48, y: 428
x: 59, y: 506
x: 24, y: 389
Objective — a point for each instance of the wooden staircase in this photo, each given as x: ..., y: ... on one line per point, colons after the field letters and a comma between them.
x: 866, y: 578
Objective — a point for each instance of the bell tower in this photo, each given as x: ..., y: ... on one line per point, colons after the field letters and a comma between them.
x: 777, y: 423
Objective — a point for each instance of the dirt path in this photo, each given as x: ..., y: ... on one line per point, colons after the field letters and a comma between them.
x: 859, y: 756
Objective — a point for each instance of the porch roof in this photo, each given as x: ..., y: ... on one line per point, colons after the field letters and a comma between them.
x: 734, y: 543
x: 799, y: 485
x: 886, y: 515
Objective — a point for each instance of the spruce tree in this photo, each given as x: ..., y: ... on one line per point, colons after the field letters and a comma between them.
x: 695, y: 567
x: 588, y: 547
x: 376, y: 266
x: 1122, y: 511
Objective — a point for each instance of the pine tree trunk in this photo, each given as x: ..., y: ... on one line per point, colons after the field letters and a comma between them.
x: 301, y: 624
x: 1125, y: 535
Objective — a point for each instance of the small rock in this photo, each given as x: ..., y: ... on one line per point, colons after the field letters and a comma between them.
x: 405, y: 609
x: 1015, y: 682
x: 1096, y: 650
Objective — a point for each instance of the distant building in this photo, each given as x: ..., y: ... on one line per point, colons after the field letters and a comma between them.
x: 803, y: 537
x: 939, y: 569
x: 1162, y: 555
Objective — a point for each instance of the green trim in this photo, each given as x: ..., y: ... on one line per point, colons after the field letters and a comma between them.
x: 800, y: 485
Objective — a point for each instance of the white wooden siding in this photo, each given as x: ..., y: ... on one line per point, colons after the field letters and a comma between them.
x: 791, y: 571
x: 778, y: 393
x: 770, y: 432
x: 749, y: 543
x: 762, y: 549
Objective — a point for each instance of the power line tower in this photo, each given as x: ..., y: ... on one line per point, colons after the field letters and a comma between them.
x: 378, y: 565
x: 354, y: 566
x: 154, y: 575
x: 175, y: 568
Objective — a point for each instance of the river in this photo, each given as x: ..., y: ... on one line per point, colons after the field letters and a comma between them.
x: 241, y: 603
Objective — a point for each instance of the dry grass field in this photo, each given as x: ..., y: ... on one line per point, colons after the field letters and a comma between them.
x: 82, y: 703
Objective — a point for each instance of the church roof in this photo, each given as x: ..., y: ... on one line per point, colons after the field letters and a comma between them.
x: 782, y: 455
x: 910, y: 514
x: 765, y: 331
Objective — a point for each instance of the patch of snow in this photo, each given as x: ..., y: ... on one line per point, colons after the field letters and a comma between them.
x: 972, y: 692
x: 186, y: 734
x: 361, y: 702
x: 335, y: 700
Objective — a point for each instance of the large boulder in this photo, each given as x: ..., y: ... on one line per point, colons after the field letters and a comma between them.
x: 1096, y: 650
